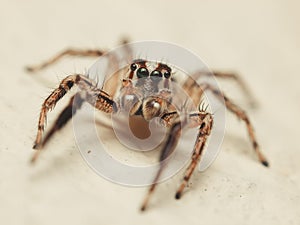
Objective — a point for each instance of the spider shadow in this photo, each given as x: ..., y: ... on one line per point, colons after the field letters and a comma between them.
x: 55, y: 165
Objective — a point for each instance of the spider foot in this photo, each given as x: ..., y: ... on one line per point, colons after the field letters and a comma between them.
x: 265, y: 163
x: 178, y: 195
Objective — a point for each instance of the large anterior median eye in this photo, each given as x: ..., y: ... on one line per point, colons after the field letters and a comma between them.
x: 156, y: 73
x: 142, y: 72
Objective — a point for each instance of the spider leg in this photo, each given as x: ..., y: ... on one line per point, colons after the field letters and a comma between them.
x: 238, y: 79
x: 103, y: 101
x: 50, y: 102
x: 241, y: 114
x: 74, y: 52
x: 204, y: 121
x: 168, y: 148
x: 69, y: 111
x: 67, y: 52
x: 168, y: 118
x: 225, y: 75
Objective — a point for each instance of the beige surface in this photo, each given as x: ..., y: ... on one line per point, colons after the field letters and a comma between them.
x: 261, y: 40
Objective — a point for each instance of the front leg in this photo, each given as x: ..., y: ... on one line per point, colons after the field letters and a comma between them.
x: 65, y: 85
x: 98, y: 98
x: 205, y: 123
x: 69, y: 111
x: 173, y: 137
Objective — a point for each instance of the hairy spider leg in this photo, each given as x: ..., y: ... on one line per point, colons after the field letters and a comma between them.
x: 67, y: 52
x: 96, y: 97
x: 241, y: 114
x: 204, y: 121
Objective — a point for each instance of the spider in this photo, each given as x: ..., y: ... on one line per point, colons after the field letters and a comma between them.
x: 142, y: 96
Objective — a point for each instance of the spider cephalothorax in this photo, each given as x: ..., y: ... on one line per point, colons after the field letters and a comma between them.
x: 145, y: 91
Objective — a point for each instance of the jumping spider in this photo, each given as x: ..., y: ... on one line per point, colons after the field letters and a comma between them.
x: 141, y: 84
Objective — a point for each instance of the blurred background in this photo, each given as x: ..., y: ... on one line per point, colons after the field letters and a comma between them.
x: 258, y: 39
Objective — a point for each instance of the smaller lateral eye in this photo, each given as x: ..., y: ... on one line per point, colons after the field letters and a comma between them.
x: 133, y: 66
x: 156, y: 73
x: 167, y: 74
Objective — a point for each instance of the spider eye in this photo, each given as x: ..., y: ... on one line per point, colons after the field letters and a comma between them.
x: 142, y: 72
x: 156, y: 73
x: 133, y: 67
x: 167, y: 74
